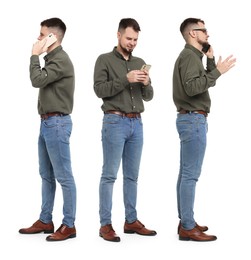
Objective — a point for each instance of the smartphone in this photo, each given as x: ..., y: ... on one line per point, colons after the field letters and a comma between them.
x: 205, y: 47
x: 49, y: 39
x: 146, y: 67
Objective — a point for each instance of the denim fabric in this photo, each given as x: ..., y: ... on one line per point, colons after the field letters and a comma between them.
x: 192, y: 129
x: 55, y: 164
x: 122, y: 139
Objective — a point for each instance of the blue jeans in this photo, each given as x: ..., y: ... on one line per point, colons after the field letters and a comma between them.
x: 192, y: 129
x: 55, y: 164
x: 122, y: 139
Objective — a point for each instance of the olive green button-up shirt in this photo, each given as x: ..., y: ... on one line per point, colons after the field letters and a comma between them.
x: 191, y: 81
x: 56, y: 82
x: 111, y: 84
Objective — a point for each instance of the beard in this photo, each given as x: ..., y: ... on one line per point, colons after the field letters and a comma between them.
x: 125, y: 50
x: 203, y: 43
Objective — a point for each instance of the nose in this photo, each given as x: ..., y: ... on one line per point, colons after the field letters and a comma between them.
x: 133, y: 43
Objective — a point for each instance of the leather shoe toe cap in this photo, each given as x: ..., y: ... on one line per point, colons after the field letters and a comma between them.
x: 107, y: 233
x: 62, y: 233
x: 38, y: 227
x: 139, y: 228
x: 195, y: 235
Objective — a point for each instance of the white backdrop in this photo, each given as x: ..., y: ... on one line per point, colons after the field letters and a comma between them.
x: 223, y: 194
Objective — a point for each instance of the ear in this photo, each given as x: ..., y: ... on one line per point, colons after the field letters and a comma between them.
x: 192, y: 34
x: 118, y: 35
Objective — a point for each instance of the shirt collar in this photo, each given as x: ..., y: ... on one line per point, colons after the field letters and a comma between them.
x: 119, y: 55
x: 196, y: 51
x: 53, y: 52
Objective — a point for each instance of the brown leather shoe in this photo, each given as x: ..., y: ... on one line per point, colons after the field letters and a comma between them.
x: 139, y: 228
x: 62, y: 233
x: 38, y: 227
x: 201, y: 228
x: 108, y: 233
x: 195, y: 234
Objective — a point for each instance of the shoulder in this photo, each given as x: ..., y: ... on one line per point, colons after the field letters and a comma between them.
x: 105, y: 54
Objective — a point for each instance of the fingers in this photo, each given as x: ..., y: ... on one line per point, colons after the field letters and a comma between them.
x: 137, y: 76
x: 225, y: 65
x: 230, y: 61
x: 229, y: 57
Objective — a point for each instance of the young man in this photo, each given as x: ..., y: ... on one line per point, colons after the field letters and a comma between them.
x: 191, y: 83
x: 123, y: 86
x: 56, y: 83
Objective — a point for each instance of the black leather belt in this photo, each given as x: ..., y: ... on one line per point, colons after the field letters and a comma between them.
x: 47, y: 115
x: 183, y: 111
x: 129, y: 115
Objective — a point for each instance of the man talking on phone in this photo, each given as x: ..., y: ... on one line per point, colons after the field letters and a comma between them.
x: 191, y: 83
x: 56, y: 83
x: 123, y: 86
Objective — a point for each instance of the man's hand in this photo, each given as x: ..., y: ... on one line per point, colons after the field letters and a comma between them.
x: 210, y: 53
x: 138, y: 76
x: 39, y: 48
x: 225, y: 65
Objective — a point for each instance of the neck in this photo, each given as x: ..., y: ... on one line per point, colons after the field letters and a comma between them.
x: 124, y: 53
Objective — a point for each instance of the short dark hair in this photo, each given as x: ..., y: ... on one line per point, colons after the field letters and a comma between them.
x: 55, y: 22
x: 189, y: 21
x: 128, y: 22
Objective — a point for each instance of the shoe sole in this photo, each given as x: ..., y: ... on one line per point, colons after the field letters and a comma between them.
x: 48, y: 231
x: 133, y: 232
x: 115, y: 240
x: 55, y: 240
x: 191, y: 239
x: 42, y: 231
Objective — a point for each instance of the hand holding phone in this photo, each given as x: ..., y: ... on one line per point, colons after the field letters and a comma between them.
x: 146, y: 67
x: 49, y: 40
x: 205, y: 47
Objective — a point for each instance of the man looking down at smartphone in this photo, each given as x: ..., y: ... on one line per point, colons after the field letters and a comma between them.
x: 123, y: 86
x: 191, y: 83
x: 56, y: 83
